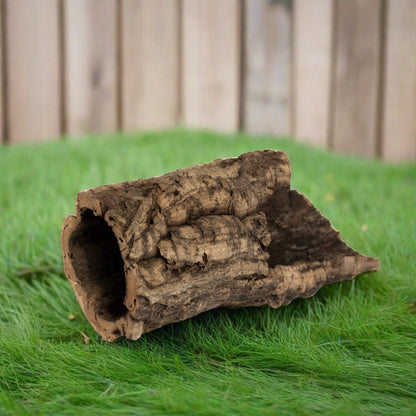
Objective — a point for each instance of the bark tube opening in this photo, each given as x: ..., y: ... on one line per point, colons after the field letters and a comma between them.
x: 98, y: 265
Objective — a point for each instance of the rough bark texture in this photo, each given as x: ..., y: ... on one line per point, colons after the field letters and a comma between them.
x: 231, y: 233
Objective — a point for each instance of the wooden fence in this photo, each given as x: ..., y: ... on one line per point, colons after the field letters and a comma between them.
x: 339, y: 74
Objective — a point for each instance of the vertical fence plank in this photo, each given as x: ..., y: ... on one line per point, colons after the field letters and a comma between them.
x: 211, y: 63
x: 267, y: 67
x: 150, y: 64
x: 399, y: 121
x: 32, y: 70
x: 356, y: 78
x: 312, y: 70
x: 91, y: 66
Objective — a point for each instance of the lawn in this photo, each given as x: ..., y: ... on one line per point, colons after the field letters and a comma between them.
x: 351, y: 349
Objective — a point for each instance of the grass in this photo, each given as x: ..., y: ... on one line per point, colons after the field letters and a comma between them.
x: 351, y: 349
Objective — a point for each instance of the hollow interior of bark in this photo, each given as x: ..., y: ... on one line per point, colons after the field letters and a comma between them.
x: 299, y: 232
x: 98, y: 265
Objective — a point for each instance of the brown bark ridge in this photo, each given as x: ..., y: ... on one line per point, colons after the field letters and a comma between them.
x: 231, y: 233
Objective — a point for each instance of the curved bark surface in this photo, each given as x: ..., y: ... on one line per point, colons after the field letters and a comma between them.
x: 230, y: 233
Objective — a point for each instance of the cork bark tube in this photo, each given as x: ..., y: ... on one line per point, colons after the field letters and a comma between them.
x: 231, y: 233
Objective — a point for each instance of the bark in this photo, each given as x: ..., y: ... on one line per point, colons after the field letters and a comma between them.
x: 230, y: 233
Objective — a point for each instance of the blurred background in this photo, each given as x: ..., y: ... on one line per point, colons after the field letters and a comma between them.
x: 338, y: 74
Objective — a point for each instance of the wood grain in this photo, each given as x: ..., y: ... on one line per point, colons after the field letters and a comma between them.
x: 312, y: 70
x: 267, y: 67
x: 356, y: 78
x: 211, y: 64
x: 33, y: 97
x: 91, y: 67
x: 399, y: 113
x: 150, y: 44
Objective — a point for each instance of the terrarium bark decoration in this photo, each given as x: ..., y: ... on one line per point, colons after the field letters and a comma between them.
x: 230, y: 233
